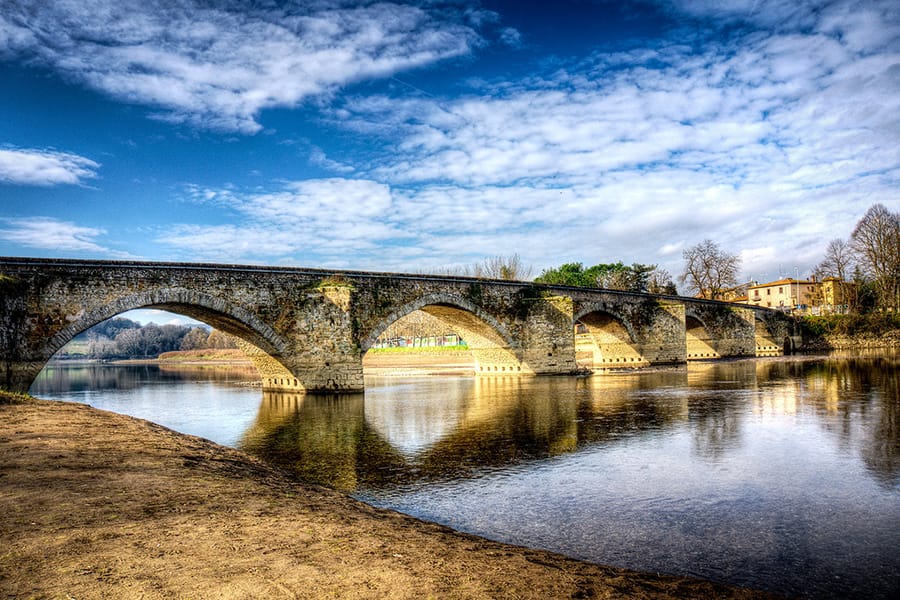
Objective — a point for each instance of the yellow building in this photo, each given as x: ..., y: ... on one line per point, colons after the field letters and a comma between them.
x: 836, y: 295
x: 784, y: 294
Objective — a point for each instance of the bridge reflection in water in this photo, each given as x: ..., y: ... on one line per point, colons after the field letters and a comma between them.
x: 408, y: 431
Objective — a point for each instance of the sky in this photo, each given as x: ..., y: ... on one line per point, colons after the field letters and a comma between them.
x: 427, y: 136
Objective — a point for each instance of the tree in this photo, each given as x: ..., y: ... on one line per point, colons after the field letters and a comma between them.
x: 568, y: 274
x: 509, y: 268
x: 876, y: 243
x: 660, y: 282
x: 195, y: 339
x: 613, y: 276
x: 709, y: 270
x: 220, y: 340
x: 838, y: 263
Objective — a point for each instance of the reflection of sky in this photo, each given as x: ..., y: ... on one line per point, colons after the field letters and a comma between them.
x: 784, y: 498
x: 215, y: 412
x: 409, y: 418
x: 747, y: 472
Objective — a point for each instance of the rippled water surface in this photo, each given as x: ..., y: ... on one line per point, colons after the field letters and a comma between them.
x: 781, y: 474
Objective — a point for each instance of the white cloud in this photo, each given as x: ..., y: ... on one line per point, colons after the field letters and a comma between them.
x: 758, y: 139
x: 218, y: 65
x: 318, y: 158
x: 30, y: 166
x: 51, y: 234
x: 324, y: 218
x: 769, y: 141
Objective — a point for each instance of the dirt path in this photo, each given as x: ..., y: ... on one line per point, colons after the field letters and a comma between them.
x: 99, y: 505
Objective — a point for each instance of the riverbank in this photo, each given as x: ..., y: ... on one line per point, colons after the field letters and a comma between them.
x: 99, y: 505
x: 874, y: 331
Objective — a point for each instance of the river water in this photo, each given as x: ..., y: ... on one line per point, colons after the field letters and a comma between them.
x: 780, y: 474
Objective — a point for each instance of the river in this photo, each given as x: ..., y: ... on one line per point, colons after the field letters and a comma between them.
x: 781, y: 474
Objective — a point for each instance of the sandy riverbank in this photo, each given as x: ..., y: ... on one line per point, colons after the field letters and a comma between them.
x: 99, y: 505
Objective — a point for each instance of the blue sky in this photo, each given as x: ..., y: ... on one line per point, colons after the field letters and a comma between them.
x: 422, y: 136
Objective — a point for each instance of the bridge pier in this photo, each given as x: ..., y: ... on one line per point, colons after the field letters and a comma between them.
x: 546, y: 336
x: 17, y: 376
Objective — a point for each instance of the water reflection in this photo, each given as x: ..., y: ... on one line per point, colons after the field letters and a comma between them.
x: 404, y: 431
x: 779, y: 473
x: 61, y: 378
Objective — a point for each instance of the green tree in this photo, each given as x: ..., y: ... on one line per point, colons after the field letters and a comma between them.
x: 568, y: 274
x: 613, y: 276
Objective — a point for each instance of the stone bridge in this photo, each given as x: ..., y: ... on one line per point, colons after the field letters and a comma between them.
x: 308, y: 329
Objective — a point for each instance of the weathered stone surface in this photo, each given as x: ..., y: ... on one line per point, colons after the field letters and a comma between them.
x: 307, y: 329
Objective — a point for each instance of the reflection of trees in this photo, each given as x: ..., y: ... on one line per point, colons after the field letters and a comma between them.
x: 54, y: 380
x: 489, y: 424
x: 716, y: 400
x: 857, y: 400
x: 61, y: 378
x: 440, y: 431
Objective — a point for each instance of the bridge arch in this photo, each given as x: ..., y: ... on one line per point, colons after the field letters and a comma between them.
x: 493, y: 349
x: 261, y: 344
x: 605, y: 338
x: 699, y: 339
x: 209, y: 309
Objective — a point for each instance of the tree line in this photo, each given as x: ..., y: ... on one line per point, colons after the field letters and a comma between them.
x: 867, y: 265
x: 613, y: 276
x: 121, y: 338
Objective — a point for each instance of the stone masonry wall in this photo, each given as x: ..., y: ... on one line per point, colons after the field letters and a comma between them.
x: 307, y: 329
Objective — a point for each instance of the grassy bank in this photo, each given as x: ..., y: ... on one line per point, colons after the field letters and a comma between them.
x: 420, y: 349
x: 847, y: 331
x: 206, y: 355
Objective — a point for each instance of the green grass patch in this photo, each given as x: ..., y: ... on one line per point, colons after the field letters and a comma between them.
x: 14, y: 398
x: 422, y: 349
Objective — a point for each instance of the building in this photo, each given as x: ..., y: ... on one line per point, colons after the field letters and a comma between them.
x: 831, y: 295
x: 788, y: 294
x: 836, y: 296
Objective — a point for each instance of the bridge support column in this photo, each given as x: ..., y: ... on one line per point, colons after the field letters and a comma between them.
x: 334, y: 374
x: 324, y: 355
x: 664, y: 341
x: 548, y: 336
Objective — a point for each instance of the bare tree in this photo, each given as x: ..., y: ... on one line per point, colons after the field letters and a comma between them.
x: 195, y: 339
x: 838, y: 263
x: 708, y: 270
x: 660, y: 282
x: 876, y: 243
x: 509, y: 268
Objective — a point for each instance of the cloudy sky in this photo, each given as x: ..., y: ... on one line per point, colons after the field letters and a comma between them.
x: 426, y: 135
